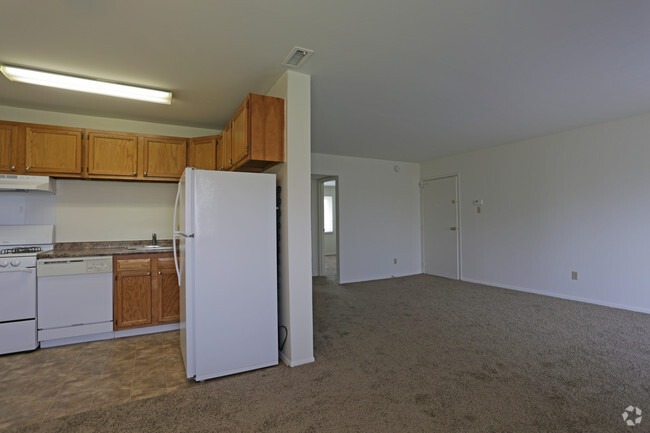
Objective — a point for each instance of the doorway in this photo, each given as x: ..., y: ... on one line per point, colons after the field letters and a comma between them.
x: 440, y: 227
x: 325, y: 251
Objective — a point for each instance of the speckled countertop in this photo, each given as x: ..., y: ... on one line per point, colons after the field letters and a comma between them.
x: 105, y: 248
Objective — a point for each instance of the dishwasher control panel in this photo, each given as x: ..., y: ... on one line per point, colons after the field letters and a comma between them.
x: 74, y: 266
x: 99, y: 266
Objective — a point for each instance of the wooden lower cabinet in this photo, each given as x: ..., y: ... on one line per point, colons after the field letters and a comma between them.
x: 145, y: 291
x: 168, y: 290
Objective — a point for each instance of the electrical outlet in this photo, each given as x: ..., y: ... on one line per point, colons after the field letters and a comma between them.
x: 395, y: 261
x: 574, y: 275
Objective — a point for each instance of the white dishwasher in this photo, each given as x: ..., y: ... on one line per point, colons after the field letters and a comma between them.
x: 74, y: 297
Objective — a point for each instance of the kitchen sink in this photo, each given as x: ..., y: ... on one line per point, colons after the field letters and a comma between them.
x: 150, y: 248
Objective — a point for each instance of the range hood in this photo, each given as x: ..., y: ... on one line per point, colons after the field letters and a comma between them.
x: 14, y: 182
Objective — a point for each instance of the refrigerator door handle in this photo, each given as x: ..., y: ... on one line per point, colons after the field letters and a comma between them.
x: 175, y: 233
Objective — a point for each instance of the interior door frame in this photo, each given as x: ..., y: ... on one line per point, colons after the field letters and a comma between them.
x: 321, y: 224
x: 459, y: 266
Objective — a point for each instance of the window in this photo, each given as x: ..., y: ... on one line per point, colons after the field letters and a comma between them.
x: 328, y: 214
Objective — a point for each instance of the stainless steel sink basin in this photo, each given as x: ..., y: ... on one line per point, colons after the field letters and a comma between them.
x: 150, y: 248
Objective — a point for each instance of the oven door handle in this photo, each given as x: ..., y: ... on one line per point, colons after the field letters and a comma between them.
x: 29, y: 270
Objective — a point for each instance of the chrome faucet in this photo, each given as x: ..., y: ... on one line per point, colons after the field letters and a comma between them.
x: 154, y: 239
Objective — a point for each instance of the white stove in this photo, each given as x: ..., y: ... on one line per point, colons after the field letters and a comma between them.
x: 19, y: 246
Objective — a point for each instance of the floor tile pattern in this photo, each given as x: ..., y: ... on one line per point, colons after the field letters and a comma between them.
x: 58, y: 381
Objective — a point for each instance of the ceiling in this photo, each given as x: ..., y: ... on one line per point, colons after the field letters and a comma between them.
x: 409, y: 80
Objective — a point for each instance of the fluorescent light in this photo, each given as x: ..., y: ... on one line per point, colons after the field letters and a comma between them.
x: 85, y: 85
x: 297, y: 57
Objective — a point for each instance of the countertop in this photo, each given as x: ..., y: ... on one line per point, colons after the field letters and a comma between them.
x: 103, y: 248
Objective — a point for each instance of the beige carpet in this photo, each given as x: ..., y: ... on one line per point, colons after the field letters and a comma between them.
x: 423, y: 354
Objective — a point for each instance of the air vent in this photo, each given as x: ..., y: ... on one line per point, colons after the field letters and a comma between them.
x: 297, y: 57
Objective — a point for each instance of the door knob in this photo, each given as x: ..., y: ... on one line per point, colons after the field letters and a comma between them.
x: 453, y: 229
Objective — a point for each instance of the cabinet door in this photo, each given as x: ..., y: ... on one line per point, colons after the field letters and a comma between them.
x: 164, y: 157
x: 9, y: 149
x: 52, y: 150
x: 202, y: 153
x: 224, y: 157
x: 111, y: 154
x: 132, y: 303
x: 169, y: 306
x: 239, y: 127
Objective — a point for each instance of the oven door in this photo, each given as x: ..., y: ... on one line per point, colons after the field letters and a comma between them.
x: 17, y: 294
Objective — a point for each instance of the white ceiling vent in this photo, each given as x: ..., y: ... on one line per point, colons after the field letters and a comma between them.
x: 297, y: 57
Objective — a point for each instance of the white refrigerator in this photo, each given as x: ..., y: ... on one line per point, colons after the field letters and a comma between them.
x: 226, y: 261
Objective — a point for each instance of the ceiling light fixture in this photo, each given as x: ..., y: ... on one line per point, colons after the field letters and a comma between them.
x: 68, y: 82
x: 297, y: 57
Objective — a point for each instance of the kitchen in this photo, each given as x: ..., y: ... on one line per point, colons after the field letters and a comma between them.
x: 93, y: 211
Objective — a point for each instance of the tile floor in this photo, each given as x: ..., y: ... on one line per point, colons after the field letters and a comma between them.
x: 49, y: 383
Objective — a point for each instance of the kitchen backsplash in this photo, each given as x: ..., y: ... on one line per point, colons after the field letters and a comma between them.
x: 85, y: 210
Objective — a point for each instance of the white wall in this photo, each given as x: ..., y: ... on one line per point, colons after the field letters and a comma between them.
x: 295, y: 299
x: 379, y: 216
x: 575, y: 201
x: 103, y: 210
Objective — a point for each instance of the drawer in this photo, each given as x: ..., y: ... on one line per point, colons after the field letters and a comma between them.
x: 166, y: 263
x: 132, y: 264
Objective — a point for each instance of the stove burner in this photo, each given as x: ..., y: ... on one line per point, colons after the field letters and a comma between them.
x: 21, y: 250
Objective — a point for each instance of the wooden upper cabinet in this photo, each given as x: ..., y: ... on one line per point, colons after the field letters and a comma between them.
x: 53, y: 150
x: 239, y: 125
x: 112, y: 154
x: 202, y: 152
x: 9, y: 153
x: 164, y: 157
x: 258, y: 133
x: 224, y: 149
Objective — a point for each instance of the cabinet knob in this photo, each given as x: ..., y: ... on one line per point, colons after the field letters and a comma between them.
x: 159, y: 272
x: 13, y: 168
x: 135, y: 174
x: 26, y: 168
x: 145, y: 173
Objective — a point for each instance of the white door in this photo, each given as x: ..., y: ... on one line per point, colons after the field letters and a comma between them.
x: 440, y: 232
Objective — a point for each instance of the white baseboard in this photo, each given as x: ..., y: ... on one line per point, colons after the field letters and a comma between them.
x: 110, y: 335
x: 285, y: 359
x: 292, y: 363
x: 561, y: 296
x: 147, y: 330
x: 379, y: 278
x: 75, y: 340
x: 301, y: 362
